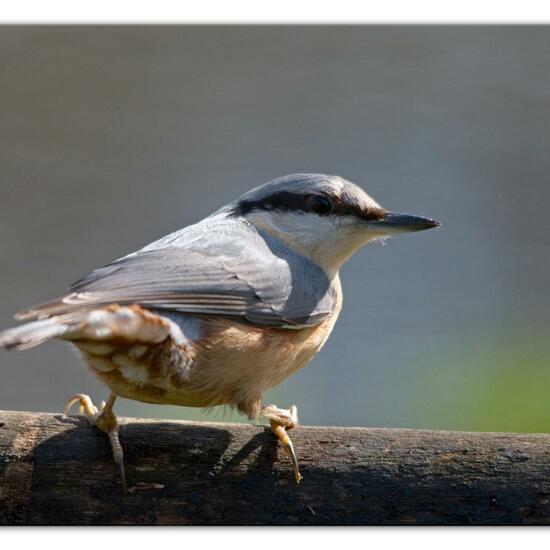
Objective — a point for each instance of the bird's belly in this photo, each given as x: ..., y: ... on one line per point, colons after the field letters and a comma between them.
x: 149, y: 373
x: 244, y: 360
x: 224, y: 363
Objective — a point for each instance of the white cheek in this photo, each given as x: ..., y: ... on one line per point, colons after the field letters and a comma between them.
x: 338, y: 244
x: 317, y: 231
x: 299, y: 229
x: 327, y: 240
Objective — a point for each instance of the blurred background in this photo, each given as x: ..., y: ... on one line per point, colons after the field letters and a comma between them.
x: 111, y: 137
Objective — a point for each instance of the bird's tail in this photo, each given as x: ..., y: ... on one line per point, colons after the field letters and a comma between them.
x: 112, y: 322
x: 32, y: 334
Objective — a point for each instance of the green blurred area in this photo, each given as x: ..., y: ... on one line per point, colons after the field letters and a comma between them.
x: 492, y: 385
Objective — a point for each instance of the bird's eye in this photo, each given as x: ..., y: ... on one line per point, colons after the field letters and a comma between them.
x: 319, y: 204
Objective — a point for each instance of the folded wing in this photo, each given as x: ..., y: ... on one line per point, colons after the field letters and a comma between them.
x: 257, y: 280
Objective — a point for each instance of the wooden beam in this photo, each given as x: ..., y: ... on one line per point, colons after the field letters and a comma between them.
x: 56, y: 470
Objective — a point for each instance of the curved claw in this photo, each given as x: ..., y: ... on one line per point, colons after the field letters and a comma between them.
x: 85, y: 402
x: 280, y: 421
x: 105, y: 420
x: 118, y: 455
x: 286, y: 442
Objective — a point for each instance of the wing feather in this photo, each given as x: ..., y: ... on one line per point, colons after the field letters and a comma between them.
x: 253, y: 277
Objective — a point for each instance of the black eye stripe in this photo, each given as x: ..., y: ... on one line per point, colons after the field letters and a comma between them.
x: 319, y: 204
x: 285, y: 201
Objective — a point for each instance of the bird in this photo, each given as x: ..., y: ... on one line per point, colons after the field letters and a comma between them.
x: 222, y: 310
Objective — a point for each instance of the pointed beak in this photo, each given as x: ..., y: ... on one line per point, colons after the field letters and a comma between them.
x: 392, y: 222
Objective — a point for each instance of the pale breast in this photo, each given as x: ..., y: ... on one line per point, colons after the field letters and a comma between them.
x: 242, y: 361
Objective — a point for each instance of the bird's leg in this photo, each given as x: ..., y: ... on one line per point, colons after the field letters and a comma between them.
x: 106, y: 421
x: 280, y: 421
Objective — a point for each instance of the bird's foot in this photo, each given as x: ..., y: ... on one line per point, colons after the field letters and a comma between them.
x: 288, y: 418
x: 280, y: 421
x: 105, y: 420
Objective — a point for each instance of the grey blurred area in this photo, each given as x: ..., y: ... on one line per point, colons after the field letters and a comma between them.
x: 111, y: 137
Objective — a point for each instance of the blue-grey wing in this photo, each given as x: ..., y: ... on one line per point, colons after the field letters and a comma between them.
x: 213, y: 268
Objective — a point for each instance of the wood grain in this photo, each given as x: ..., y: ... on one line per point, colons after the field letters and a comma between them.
x: 56, y: 470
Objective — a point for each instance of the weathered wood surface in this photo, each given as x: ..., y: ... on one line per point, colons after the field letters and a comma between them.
x: 56, y: 470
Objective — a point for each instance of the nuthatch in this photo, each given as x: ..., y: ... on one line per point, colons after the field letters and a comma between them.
x: 222, y: 310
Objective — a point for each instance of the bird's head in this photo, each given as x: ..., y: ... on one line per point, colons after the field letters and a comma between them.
x: 325, y: 218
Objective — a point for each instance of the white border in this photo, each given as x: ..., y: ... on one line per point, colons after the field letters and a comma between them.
x: 274, y: 11
x: 280, y: 11
x: 285, y: 538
